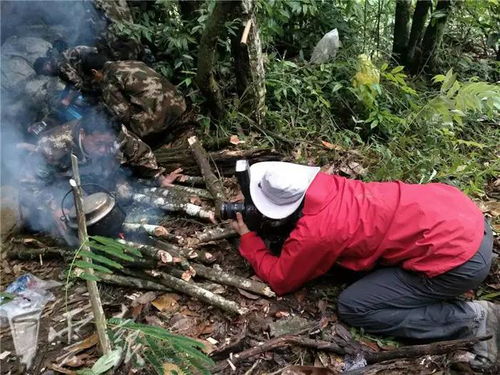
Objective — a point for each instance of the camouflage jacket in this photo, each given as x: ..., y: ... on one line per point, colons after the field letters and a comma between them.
x: 140, y: 97
x: 57, y: 146
x: 70, y: 66
x: 112, y: 41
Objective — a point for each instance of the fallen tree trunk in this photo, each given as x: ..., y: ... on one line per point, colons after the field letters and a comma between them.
x: 173, y: 158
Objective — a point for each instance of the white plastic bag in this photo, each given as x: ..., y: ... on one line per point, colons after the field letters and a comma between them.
x: 327, y: 48
x: 23, y: 313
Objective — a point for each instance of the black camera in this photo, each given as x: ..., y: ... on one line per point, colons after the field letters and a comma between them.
x: 251, y: 215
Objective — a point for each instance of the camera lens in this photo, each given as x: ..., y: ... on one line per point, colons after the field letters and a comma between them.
x: 228, y: 210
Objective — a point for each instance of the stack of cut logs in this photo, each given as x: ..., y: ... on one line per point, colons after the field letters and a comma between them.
x: 175, y: 263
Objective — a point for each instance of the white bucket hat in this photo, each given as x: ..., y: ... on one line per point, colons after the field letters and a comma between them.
x: 277, y: 188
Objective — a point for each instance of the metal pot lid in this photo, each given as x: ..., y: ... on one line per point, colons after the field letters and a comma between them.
x: 95, y: 207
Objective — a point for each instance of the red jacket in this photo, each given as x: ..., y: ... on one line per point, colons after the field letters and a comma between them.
x: 428, y: 228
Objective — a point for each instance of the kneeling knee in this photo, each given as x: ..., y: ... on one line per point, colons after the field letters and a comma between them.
x: 348, y: 307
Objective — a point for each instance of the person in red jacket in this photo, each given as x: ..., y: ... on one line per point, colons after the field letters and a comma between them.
x: 426, y: 244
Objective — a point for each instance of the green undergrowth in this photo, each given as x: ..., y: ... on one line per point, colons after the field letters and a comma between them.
x: 418, y: 131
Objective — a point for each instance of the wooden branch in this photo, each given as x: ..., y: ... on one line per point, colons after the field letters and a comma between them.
x: 278, y: 342
x: 183, y: 179
x: 191, y: 180
x: 164, y: 204
x: 440, y: 347
x: 178, y: 191
x: 202, y: 294
x: 167, y: 256
x: 181, y: 157
x: 95, y: 298
x: 153, y: 230
x: 215, y: 234
x: 188, y: 253
x: 246, y: 31
x: 214, y: 186
x: 26, y: 253
x: 371, y: 357
x: 128, y: 281
x: 225, y: 278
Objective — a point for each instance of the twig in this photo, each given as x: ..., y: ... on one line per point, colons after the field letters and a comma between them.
x: 95, y: 299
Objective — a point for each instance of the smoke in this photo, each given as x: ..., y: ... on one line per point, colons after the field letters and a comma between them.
x: 28, y: 30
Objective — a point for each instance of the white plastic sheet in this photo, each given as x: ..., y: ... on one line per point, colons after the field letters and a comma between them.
x: 327, y: 48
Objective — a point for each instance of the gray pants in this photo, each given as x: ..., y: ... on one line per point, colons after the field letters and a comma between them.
x: 399, y: 303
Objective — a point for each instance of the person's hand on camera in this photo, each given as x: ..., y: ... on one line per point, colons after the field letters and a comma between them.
x: 239, y: 225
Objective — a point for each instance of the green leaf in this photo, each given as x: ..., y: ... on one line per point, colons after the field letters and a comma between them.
x: 397, y: 69
x: 438, y: 78
x: 100, y: 259
x: 87, y: 265
x: 448, y: 80
x: 490, y: 296
x: 6, y: 297
x: 112, y: 251
x: 107, y: 362
x: 88, y: 276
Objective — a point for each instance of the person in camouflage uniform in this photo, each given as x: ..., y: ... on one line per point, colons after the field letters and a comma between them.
x: 97, y: 141
x: 66, y: 64
x: 110, y: 41
x: 139, y: 96
x: 102, y: 150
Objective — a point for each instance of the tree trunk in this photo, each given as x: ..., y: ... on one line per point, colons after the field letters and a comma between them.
x: 434, y: 34
x: 188, y: 8
x: 401, y: 30
x: 205, y: 78
x: 246, y: 49
x: 417, y: 30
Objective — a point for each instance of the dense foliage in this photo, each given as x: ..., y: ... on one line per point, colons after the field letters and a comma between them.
x: 439, y: 123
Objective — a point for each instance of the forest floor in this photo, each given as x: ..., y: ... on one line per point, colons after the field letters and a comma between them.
x: 308, y: 313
